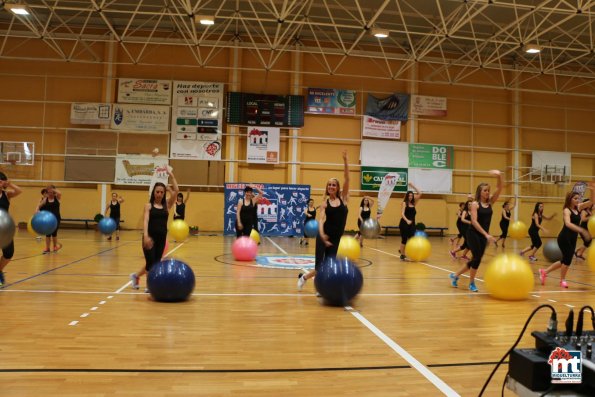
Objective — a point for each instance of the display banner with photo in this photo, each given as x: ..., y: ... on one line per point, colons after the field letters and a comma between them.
x: 377, y: 153
x: 263, y: 145
x: 150, y: 118
x: 197, y: 119
x: 428, y: 105
x: 90, y: 113
x: 394, y: 107
x: 282, y: 212
x: 151, y: 92
x: 372, y: 178
x: 265, y: 110
x: 138, y: 169
x: 430, y: 180
x: 377, y: 128
x: 431, y: 156
x: 331, y: 101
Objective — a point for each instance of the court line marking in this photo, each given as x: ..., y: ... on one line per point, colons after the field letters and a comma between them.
x: 288, y: 256
x: 423, y: 370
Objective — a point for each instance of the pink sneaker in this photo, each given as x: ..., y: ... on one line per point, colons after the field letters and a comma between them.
x: 563, y: 284
x: 465, y: 257
x: 542, y: 276
x: 453, y: 255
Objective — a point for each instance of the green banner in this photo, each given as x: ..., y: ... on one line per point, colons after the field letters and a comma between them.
x: 431, y: 156
x: 372, y: 178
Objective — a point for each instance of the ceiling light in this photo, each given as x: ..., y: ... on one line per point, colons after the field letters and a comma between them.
x: 532, y: 48
x: 205, y: 19
x: 17, y: 9
x: 380, y: 33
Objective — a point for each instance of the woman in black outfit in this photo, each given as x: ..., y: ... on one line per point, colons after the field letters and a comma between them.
x: 586, y: 214
x: 333, y: 215
x: 246, y: 218
x: 8, y: 190
x: 51, y: 203
x: 365, y: 210
x: 156, y: 213
x: 407, y: 224
x: 505, y: 222
x: 180, y: 209
x: 310, y: 216
x: 568, y: 236
x: 465, y: 219
x: 114, y: 213
x: 536, y: 225
x: 478, y: 234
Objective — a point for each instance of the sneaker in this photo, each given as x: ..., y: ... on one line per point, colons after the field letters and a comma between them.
x: 465, y: 257
x: 403, y: 257
x: 318, y: 294
x: 109, y: 238
x: 57, y: 247
x: 453, y: 255
x: 563, y: 284
x: 134, y: 279
x: 522, y: 254
x: 453, y: 280
x: 542, y: 276
x: 46, y: 251
x: 301, y: 281
x: 472, y: 287
x: 306, y: 243
x: 532, y: 258
x: 2, y: 281
x: 146, y: 290
x: 117, y: 238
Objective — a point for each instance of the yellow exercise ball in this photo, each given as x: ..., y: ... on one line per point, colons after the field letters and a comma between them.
x: 30, y: 228
x: 509, y: 277
x: 179, y: 230
x: 591, y: 225
x: 255, y: 236
x: 418, y: 248
x: 349, y: 248
x: 591, y: 257
x: 517, y: 230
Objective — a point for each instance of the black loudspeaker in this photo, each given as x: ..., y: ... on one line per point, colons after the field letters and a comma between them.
x: 529, y: 367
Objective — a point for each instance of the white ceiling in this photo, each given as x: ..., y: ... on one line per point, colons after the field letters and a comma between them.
x: 456, y: 38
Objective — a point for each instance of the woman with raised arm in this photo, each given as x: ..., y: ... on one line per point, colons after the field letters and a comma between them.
x: 51, y: 203
x: 331, y: 224
x: 180, y: 208
x: 536, y: 225
x: 478, y: 234
x: 156, y: 212
x: 407, y: 223
x: 246, y: 219
x: 8, y: 191
x: 114, y: 212
x: 505, y: 222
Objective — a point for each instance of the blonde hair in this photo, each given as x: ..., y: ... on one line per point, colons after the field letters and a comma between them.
x: 326, y: 195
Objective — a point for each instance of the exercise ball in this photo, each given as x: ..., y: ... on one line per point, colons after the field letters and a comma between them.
x: 348, y: 248
x: 551, y: 251
x: 107, y: 226
x: 338, y: 281
x: 591, y: 258
x: 255, y: 236
x: 244, y: 249
x: 170, y: 280
x: 591, y: 225
x: 517, y: 230
x: 30, y: 228
x: 420, y: 233
x: 7, y: 228
x: 311, y: 228
x: 179, y: 230
x: 509, y: 277
x: 418, y: 248
x: 44, y: 222
x: 370, y: 228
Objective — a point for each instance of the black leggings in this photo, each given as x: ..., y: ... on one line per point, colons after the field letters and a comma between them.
x: 407, y: 231
x: 535, y: 239
x: 477, y: 244
x: 55, y: 233
x: 154, y: 254
x: 322, y: 251
x: 245, y: 231
x: 8, y: 251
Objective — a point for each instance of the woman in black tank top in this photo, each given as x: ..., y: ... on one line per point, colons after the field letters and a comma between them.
x: 51, y: 203
x: 310, y: 214
x: 365, y: 211
x: 407, y: 223
x: 568, y: 235
x: 505, y: 222
x: 465, y: 219
x: 478, y: 234
x: 8, y: 190
x: 536, y: 225
x: 586, y: 214
x: 114, y: 212
x: 180, y: 208
x: 331, y: 225
x: 156, y: 212
x: 246, y: 215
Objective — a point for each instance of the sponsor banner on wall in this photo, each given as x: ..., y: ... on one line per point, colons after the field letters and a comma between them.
x: 331, y: 101
x: 151, y: 92
x: 377, y: 128
x: 428, y: 105
x: 140, y: 117
x: 394, y: 107
x: 197, y: 119
x: 263, y: 145
x: 431, y: 156
x: 90, y: 113
x: 137, y: 169
x: 372, y: 178
x: 281, y: 213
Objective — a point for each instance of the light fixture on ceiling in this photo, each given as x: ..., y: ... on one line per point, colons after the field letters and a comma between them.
x: 205, y: 19
x: 17, y: 9
x: 380, y: 33
x: 532, y: 48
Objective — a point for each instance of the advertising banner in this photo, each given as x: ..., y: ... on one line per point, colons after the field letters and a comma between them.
x: 263, y: 145
x: 282, y: 212
x: 431, y: 156
x: 372, y: 178
x: 377, y: 128
x: 138, y: 170
x: 331, y: 101
x: 150, y: 118
x: 151, y: 92
x: 428, y: 105
x: 90, y: 113
x: 394, y: 107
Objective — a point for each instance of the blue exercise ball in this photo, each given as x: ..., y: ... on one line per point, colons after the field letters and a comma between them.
x: 107, y: 225
x: 420, y: 233
x: 44, y: 222
x: 311, y: 228
x: 338, y: 280
x: 171, y: 280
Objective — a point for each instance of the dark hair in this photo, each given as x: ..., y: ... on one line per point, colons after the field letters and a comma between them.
x: 180, y: 195
x: 44, y: 191
x: 3, y: 176
x: 248, y: 189
x: 409, y: 192
x: 478, y: 191
x: 152, y: 199
x: 504, y: 204
x: 536, y: 209
x: 568, y: 200
x: 362, y: 203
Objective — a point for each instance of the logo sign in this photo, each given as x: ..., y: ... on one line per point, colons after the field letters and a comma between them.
x: 430, y: 156
x: 331, y: 101
x: 372, y: 178
x: 567, y: 366
x: 305, y: 262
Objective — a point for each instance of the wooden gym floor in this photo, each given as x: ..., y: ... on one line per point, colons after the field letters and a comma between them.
x: 72, y: 326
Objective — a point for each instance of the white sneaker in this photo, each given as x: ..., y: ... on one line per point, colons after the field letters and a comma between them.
x: 301, y: 282
x: 134, y: 280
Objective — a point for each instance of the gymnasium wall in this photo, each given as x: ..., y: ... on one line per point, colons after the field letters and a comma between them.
x: 481, y: 124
